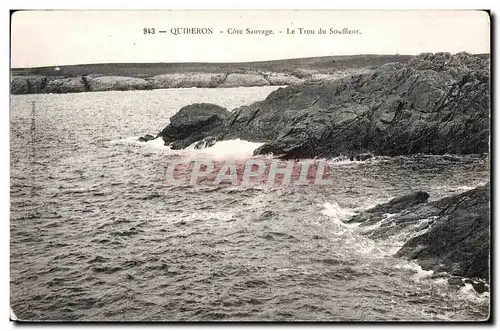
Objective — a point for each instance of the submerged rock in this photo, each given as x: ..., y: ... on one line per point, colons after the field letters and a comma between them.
x: 396, y: 205
x: 193, y: 123
x: 147, y: 137
x: 434, y: 104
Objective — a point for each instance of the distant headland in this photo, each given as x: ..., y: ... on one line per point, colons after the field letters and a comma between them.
x: 150, y: 76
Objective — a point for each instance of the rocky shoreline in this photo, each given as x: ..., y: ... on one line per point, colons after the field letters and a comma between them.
x: 433, y: 104
x: 148, y: 76
x: 457, y: 240
x: 34, y: 84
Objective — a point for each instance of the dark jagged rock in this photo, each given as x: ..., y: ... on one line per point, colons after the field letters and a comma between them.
x: 193, y: 123
x: 147, y: 137
x: 479, y: 285
x: 459, y: 240
x: 456, y: 238
x: 434, y: 104
x: 396, y: 205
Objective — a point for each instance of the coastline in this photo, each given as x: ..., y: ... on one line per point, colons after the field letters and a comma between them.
x: 152, y: 76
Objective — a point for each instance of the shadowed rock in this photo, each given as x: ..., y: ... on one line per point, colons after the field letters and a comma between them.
x: 434, y: 104
x: 193, y: 123
x: 361, y: 157
x: 456, y: 236
x: 459, y: 240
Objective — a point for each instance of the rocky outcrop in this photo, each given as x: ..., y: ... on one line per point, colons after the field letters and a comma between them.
x: 434, y: 104
x: 396, y: 205
x: 187, y: 80
x: 237, y: 80
x: 193, y: 123
x: 116, y: 83
x: 447, y: 235
x: 19, y: 85
x: 28, y: 84
x: 66, y: 85
x: 93, y: 83
x: 146, y: 138
x: 280, y: 79
x: 459, y: 240
x: 99, y: 82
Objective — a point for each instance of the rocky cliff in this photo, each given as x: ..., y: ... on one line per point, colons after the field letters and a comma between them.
x: 194, y: 123
x: 434, y: 103
x: 458, y: 242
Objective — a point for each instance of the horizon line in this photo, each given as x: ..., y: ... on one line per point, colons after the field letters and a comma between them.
x: 240, y: 62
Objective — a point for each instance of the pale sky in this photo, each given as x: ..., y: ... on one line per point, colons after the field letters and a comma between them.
x: 51, y: 38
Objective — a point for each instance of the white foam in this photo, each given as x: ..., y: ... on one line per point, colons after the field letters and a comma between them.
x: 395, y: 241
x: 156, y: 144
x: 236, y: 149
x: 345, y: 232
x: 468, y: 292
x: 420, y: 274
x: 337, y: 213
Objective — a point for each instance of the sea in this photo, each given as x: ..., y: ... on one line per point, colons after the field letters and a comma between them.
x: 98, y: 234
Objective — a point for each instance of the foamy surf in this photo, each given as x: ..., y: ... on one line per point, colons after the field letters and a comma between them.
x: 468, y: 292
x: 156, y: 144
x: 236, y: 149
x: 346, y: 233
x: 337, y: 213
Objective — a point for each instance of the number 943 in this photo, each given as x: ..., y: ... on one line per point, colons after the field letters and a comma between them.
x: 149, y: 30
